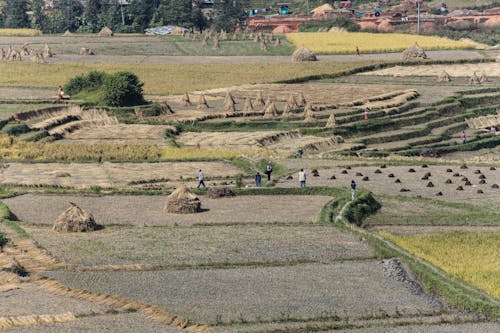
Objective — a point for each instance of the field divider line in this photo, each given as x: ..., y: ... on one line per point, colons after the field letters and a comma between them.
x: 436, y: 270
x: 31, y: 320
x: 122, y: 304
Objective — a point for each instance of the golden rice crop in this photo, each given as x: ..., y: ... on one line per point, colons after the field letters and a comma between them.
x: 346, y: 42
x: 20, y: 32
x: 472, y: 257
x: 170, y: 78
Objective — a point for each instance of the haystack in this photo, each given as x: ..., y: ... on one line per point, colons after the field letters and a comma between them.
x: 2, y: 54
x: 263, y: 46
x: 67, y: 33
x: 205, y: 41
x: 331, y: 121
x: 220, y: 192
x: 9, y: 53
x: 181, y: 201
x: 47, y: 52
x: 228, y: 99
x: 270, y: 111
x: 86, y: 51
x: 301, y: 100
x: 185, y: 101
x: 277, y: 42
x: 474, y: 79
x: 259, y: 100
x: 202, y: 102
x: 293, y: 102
x: 303, y: 54
x: 414, y: 52
x: 309, y: 113
x: 248, y: 107
x: 37, y: 57
x: 483, y: 78
x: 282, y: 29
x: 165, y: 109
x: 106, y: 32
x: 268, y: 102
x: 75, y: 219
x: 444, y: 77
x: 287, y: 111
x: 24, y: 50
x: 216, y: 45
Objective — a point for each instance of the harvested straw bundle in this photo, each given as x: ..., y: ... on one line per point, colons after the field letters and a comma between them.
x: 106, y: 32
x: 165, y: 109
x: 75, y: 219
x: 202, y: 103
x: 331, y: 121
x: 474, y: 79
x: 86, y: 51
x: 248, y: 107
x: 292, y: 102
x: 277, y: 42
x: 263, y: 46
x: 287, y: 111
x: 444, y: 77
x: 216, y: 45
x: 303, y: 54
x: 301, y: 100
x: 2, y: 54
x: 67, y: 33
x: 414, y: 52
x: 228, y: 99
x: 185, y: 101
x: 483, y: 78
x: 47, y: 51
x: 270, y: 111
x: 259, y: 100
x: 309, y: 113
x: 181, y: 201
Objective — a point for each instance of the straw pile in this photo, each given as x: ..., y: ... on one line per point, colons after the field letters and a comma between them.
x: 220, y: 192
x: 216, y: 44
x: 483, y: 78
x: 263, y: 46
x: 47, y: 52
x: 67, y: 33
x: 248, y: 107
x: 185, y: 101
x: 301, y: 100
x: 181, y: 201
x: 86, y: 51
x: 75, y: 219
x: 331, y: 121
x: 287, y: 111
x: 2, y: 54
x: 474, y: 79
x: 229, y: 103
x: 106, y: 32
x: 37, y: 57
x: 165, y: 109
x: 270, y: 110
x: 202, y: 102
x: 259, y: 100
x: 292, y: 102
x: 24, y: 50
x: 444, y: 77
x: 303, y: 54
x: 414, y: 52
x: 277, y: 42
x: 309, y: 113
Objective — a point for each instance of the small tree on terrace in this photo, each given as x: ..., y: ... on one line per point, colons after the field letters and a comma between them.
x: 122, y: 89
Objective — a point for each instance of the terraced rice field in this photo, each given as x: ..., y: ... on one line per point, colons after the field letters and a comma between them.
x: 458, y: 70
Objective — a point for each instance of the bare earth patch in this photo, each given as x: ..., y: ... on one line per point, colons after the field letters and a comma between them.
x: 109, y: 174
x: 172, y: 246
x: 148, y: 210
x: 212, y: 296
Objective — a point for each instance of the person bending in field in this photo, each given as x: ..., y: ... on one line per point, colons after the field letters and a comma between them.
x: 201, y: 179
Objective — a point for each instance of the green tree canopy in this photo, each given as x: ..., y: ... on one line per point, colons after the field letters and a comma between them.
x: 15, y: 12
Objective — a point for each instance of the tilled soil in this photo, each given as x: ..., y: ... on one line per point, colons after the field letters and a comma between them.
x: 214, y: 296
x: 119, y: 323
x: 215, y: 245
x: 148, y: 210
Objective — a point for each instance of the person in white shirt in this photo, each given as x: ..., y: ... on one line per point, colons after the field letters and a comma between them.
x: 201, y: 179
x: 302, y: 178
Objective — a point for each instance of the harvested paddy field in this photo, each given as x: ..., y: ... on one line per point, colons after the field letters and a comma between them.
x: 119, y: 322
x: 215, y: 245
x: 385, y: 182
x: 460, y: 70
x: 263, y: 294
x: 120, y: 133
x: 83, y: 175
x: 148, y: 210
x: 428, y: 328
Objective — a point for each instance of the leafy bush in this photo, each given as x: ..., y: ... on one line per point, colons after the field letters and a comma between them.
x: 17, y: 129
x: 122, y: 89
x: 75, y: 85
x: 363, y: 206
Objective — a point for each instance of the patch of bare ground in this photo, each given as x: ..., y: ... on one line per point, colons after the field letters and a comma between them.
x: 148, y: 210
x: 215, y: 245
x: 382, y: 183
x: 27, y: 93
x: 430, y: 230
x: 27, y: 299
x: 120, y: 133
x: 107, y: 174
x: 260, y: 294
x: 117, y: 323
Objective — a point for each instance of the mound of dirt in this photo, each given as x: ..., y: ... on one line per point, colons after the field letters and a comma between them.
x: 75, y: 219
x: 303, y: 54
x: 181, y: 201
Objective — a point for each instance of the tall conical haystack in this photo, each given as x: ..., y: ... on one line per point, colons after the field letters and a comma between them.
x: 216, y: 45
x: 444, y: 77
x: 75, y: 219
x: 106, y: 32
x: 47, y: 51
x: 165, y: 109
x: 86, y: 51
x: 228, y: 99
x: 181, y: 201
x: 474, y: 79
x: 24, y: 50
x: 2, y: 54
x: 303, y: 54
x: 414, y: 52
x: 185, y: 101
x: 483, y: 78
x: 308, y: 112
x: 230, y: 107
x: 331, y: 121
x: 270, y: 111
x: 263, y: 46
x: 67, y: 33
x: 202, y: 102
x: 204, y: 42
x: 292, y: 102
x: 287, y: 111
x: 259, y: 100
x: 277, y: 42
x: 37, y: 57
x: 268, y: 102
x: 301, y: 100
x: 9, y: 53
x: 248, y: 107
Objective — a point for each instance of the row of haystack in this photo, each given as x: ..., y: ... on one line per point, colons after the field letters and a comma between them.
x: 474, y: 79
x: 383, y: 26
x: 35, y: 56
x: 105, y: 32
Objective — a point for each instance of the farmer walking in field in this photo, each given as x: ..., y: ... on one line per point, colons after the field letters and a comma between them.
x: 353, y: 189
x: 302, y: 178
x: 201, y: 179
x: 269, y: 170
x: 464, y: 138
x: 258, y: 179
x: 366, y: 113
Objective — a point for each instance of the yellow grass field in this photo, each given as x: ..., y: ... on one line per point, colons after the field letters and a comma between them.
x: 346, y: 42
x: 171, y: 78
x: 472, y: 257
x: 20, y: 32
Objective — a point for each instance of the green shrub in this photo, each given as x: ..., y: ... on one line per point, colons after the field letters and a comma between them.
x: 37, y: 136
x: 122, y: 89
x: 239, y: 180
x: 75, y: 85
x: 362, y: 207
x: 17, y: 129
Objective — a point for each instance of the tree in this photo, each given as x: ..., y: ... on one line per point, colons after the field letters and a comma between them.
x: 92, y: 21
x: 111, y: 14
x: 199, y: 20
x: 122, y: 89
x: 67, y: 15
x: 175, y: 12
x: 140, y: 13
x: 39, y: 20
x: 15, y: 12
x: 228, y: 15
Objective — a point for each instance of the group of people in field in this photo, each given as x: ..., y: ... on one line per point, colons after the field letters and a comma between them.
x: 302, y: 176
